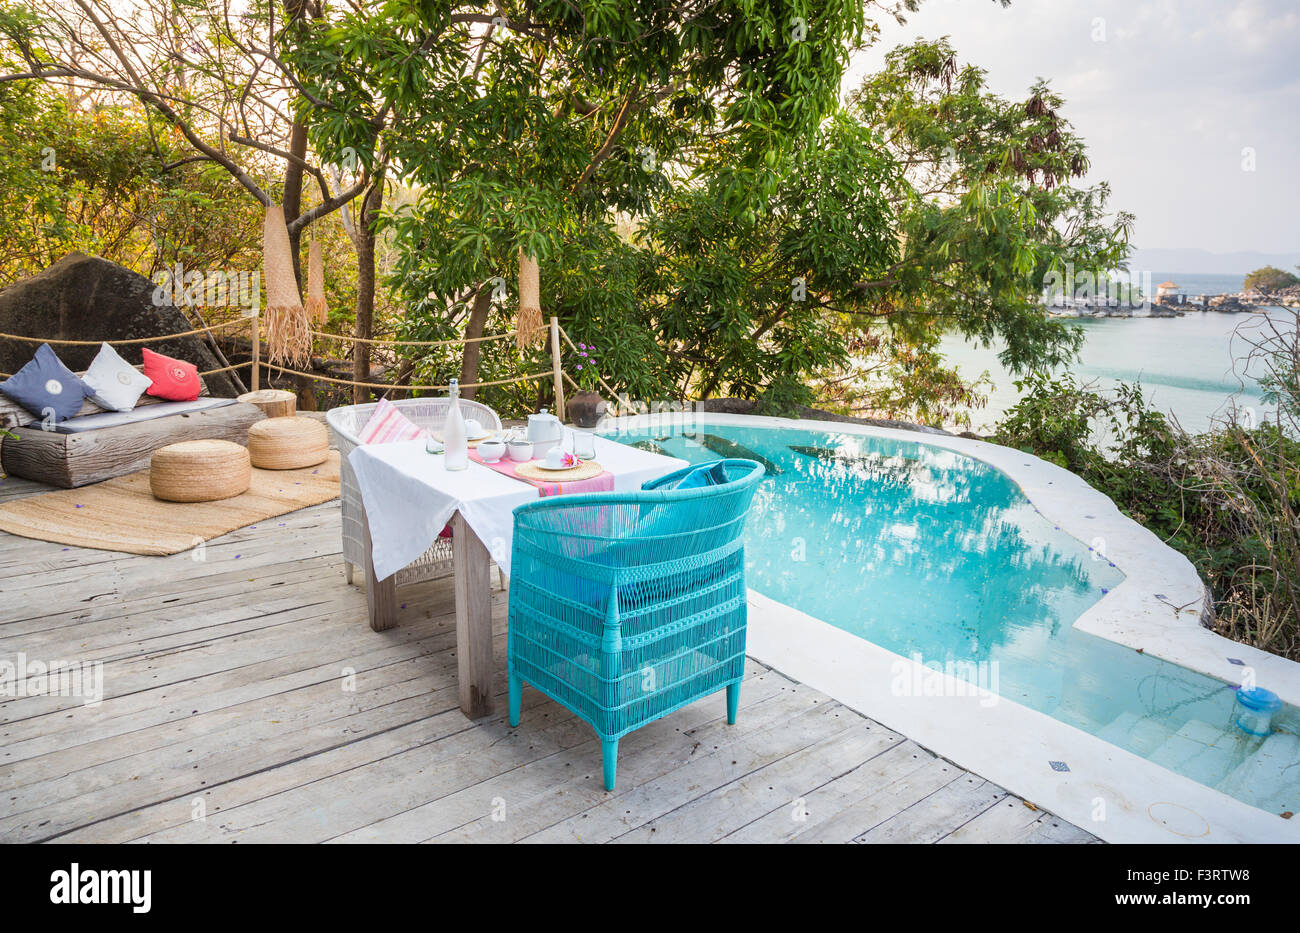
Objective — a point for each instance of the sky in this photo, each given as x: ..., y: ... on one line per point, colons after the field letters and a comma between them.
x: 1190, y: 108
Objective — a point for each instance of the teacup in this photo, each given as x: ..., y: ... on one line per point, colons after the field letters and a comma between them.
x: 554, y: 458
x: 520, y: 451
x: 473, y: 429
x: 491, y: 450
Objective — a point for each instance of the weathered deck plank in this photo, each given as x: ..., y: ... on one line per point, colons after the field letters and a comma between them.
x: 245, y: 687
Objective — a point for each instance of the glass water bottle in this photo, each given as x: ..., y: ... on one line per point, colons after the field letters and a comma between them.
x: 455, y: 440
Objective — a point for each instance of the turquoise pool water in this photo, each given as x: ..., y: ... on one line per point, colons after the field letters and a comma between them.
x: 930, y: 553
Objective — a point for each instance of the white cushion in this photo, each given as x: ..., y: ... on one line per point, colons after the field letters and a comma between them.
x: 116, y: 384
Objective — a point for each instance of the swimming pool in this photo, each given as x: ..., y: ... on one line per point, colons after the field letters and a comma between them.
x: 937, y: 556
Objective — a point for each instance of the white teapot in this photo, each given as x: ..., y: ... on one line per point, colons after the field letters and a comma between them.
x: 545, y: 431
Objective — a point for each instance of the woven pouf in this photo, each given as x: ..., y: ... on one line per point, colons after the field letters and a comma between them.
x: 288, y: 443
x: 199, y: 471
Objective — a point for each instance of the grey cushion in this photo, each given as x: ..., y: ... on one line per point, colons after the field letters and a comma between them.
x: 113, y: 419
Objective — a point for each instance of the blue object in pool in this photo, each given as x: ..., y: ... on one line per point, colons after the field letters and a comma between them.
x: 1258, y: 707
x: 939, y: 557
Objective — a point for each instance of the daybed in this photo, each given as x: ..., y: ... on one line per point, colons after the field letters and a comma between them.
x: 98, y: 444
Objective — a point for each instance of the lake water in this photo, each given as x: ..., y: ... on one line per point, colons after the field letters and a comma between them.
x: 1190, y: 366
x: 1191, y: 283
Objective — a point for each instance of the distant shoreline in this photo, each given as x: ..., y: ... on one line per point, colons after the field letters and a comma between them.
x: 1173, y: 305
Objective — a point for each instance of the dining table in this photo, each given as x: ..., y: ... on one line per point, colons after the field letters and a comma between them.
x: 409, y: 497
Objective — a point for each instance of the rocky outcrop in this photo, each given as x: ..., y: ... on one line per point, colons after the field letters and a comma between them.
x: 84, y: 297
x: 1230, y: 304
x: 1288, y: 297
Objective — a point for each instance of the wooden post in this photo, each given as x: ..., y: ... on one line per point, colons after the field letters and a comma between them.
x: 556, y: 373
x: 256, y: 338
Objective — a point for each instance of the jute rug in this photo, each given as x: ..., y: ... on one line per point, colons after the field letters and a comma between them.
x: 121, y: 514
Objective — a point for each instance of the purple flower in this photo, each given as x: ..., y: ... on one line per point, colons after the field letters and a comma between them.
x: 583, y: 353
x: 582, y: 346
x: 579, y: 367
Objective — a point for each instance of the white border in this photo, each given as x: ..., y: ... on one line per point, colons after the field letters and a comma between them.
x: 1158, y: 608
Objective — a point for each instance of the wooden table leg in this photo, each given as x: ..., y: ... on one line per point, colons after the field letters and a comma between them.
x: 381, y: 595
x: 473, y: 619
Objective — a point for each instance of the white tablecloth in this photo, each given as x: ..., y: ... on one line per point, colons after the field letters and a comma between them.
x: 410, y: 495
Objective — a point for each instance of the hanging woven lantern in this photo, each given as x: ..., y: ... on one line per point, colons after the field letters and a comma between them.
x: 317, y: 309
x: 528, y: 324
x: 287, y: 339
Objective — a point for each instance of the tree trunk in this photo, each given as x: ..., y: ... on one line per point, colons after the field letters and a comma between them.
x: 293, y: 194
x: 292, y: 208
x: 478, y: 315
x: 364, y: 241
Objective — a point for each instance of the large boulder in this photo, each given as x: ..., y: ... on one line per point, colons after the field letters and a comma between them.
x: 84, y: 297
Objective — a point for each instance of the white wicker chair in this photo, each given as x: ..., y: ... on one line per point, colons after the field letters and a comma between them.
x: 345, y: 424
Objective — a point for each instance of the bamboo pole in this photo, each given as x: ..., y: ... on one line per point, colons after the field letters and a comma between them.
x: 257, y: 351
x: 555, y: 368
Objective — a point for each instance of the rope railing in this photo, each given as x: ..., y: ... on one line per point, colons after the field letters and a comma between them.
x: 123, y: 342
x: 554, y: 373
x: 410, y: 343
x: 205, y: 372
x: 226, y: 369
x: 393, y: 385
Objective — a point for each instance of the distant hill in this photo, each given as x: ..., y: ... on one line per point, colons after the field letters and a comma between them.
x: 1207, y: 263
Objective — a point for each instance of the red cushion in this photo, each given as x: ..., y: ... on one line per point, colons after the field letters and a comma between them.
x: 174, y: 380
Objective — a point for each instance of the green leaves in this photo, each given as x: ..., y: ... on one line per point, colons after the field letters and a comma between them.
x: 102, y: 181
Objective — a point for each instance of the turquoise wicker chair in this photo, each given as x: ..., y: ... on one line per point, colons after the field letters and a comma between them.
x: 627, y: 606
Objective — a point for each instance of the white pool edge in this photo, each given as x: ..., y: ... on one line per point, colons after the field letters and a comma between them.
x: 1157, y: 609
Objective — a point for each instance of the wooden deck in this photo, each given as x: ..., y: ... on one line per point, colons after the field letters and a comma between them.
x: 247, y: 700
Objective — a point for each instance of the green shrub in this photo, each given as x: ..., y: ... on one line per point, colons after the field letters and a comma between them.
x: 1228, y: 498
x: 783, y: 397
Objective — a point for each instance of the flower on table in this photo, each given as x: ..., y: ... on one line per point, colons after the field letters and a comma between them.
x: 570, y: 460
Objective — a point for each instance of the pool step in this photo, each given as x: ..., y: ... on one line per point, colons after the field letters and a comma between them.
x: 1202, y: 751
x: 1270, y: 776
x: 1136, y: 733
x: 1263, y: 771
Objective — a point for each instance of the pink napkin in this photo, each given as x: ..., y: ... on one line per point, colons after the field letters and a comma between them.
x: 601, y: 482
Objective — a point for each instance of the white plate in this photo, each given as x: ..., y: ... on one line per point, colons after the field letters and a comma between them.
x: 541, y: 465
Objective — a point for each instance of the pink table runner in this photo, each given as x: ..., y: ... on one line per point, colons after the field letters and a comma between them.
x: 601, y: 482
